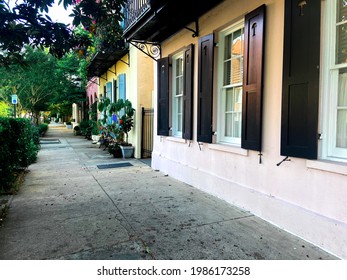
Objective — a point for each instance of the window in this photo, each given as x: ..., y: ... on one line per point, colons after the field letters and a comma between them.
x: 178, y: 78
x: 335, y: 81
x: 177, y: 94
x: 231, y: 49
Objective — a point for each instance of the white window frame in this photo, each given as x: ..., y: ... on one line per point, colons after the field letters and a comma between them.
x: 221, y: 138
x: 329, y: 85
x: 176, y: 132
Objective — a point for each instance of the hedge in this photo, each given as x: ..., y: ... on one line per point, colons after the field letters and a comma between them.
x: 19, y: 145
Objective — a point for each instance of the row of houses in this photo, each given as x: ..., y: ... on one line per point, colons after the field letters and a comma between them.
x: 250, y: 103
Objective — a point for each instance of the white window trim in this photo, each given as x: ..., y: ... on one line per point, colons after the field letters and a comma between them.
x: 329, y: 84
x: 221, y: 103
x: 175, y: 131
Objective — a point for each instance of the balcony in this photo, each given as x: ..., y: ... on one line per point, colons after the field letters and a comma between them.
x: 104, y: 59
x: 156, y: 20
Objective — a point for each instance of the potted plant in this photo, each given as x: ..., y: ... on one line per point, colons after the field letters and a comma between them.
x: 126, y: 123
x: 114, y: 149
x: 68, y: 125
x: 95, y: 132
x: 77, y: 130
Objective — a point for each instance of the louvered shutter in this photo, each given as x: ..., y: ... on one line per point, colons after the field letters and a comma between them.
x: 163, y: 97
x: 253, y: 79
x: 205, y: 88
x: 300, y: 92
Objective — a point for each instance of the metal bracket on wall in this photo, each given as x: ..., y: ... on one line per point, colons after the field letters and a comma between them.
x: 196, y: 31
x: 152, y: 49
x: 111, y: 71
x: 103, y: 77
x: 285, y: 159
x: 260, y: 157
x: 200, y: 144
x: 127, y: 63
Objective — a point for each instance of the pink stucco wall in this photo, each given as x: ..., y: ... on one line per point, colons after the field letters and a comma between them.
x: 92, y: 90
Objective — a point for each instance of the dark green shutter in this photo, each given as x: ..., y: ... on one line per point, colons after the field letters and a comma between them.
x: 253, y: 79
x: 300, y: 93
x: 187, y: 132
x: 205, y: 88
x: 163, y: 97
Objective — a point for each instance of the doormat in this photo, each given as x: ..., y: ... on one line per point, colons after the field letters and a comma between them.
x: 49, y: 141
x: 114, y: 165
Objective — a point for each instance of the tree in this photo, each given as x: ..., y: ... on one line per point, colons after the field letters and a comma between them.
x: 41, y: 81
x: 25, y: 23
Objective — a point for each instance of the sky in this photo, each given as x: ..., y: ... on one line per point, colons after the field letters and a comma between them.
x: 58, y: 14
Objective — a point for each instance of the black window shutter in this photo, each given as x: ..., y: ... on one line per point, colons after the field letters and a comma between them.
x: 205, y: 88
x: 300, y: 93
x: 252, y: 90
x: 163, y: 97
x: 115, y: 90
x: 187, y: 132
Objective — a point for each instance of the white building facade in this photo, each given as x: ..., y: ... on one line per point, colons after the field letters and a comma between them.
x: 253, y: 109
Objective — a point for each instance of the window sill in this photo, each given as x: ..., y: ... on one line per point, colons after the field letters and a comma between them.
x: 329, y: 166
x: 228, y: 149
x: 176, y: 139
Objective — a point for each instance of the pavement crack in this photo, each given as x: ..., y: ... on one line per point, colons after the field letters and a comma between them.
x: 183, y: 227
x: 113, y: 202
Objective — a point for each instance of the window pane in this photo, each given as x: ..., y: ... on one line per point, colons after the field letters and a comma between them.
x: 227, y: 72
x: 229, y: 96
x: 237, y: 125
x: 341, y: 10
x: 237, y: 43
x: 342, y: 94
x: 179, y: 86
x: 237, y: 70
x: 179, y: 105
x: 341, y: 127
x: 227, y: 47
x: 341, y: 44
x: 233, y: 125
x: 228, y: 124
x: 341, y: 131
x: 179, y: 66
x: 179, y: 123
x: 233, y: 108
x: 238, y: 99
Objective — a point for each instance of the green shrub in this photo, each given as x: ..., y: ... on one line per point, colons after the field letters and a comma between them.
x: 20, y: 142
x: 42, y: 128
x: 85, y: 125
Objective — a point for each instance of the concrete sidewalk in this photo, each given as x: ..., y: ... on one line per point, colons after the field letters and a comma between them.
x: 68, y: 208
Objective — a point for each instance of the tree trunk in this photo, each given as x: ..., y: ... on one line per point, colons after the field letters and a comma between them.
x: 36, y: 117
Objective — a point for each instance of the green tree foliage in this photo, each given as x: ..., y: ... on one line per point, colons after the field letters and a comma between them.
x: 43, y: 81
x: 26, y: 23
x: 4, y: 109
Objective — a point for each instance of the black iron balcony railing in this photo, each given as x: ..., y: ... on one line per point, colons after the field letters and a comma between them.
x: 156, y: 20
x: 134, y: 10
